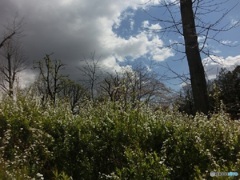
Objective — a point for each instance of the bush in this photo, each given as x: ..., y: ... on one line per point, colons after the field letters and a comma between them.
x: 106, y: 141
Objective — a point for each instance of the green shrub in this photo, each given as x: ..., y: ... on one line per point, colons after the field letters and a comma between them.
x: 142, y: 165
x: 108, y: 141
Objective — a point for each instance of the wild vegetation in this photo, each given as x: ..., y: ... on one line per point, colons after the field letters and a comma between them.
x: 122, y: 125
x: 109, y: 141
x: 130, y: 128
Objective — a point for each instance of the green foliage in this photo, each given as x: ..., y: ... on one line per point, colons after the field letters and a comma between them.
x: 228, y: 83
x: 142, y: 165
x: 109, y: 141
x: 224, y: 94
x: 60, y: 176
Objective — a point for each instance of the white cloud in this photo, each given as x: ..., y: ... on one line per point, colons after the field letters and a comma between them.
x: 201, y: 38
x: 214, y: 64
x: 145, y: 24
x: 162, y: 54
x: 26, y: 77
x: 216, y: 51
x: 234, y: 22
x: 132, y: 24
x: 135, y: 46
x: 110, y: 65
x: 228, y: 42
x: 148, y: 26
x: 155, y: 27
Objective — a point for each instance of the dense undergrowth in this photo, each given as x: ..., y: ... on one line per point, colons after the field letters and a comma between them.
x: 105, y: 141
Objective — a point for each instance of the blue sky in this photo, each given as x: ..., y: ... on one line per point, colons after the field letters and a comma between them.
x: 120, y: 32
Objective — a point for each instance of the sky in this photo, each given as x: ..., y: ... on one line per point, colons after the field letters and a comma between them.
x: 121, y: 33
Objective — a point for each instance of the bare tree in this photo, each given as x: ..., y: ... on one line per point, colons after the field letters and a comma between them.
x: 133, y: 86
x: 74, y: 93
x: 14, y: 29
x: 12, y: 60
x: 146, y: 86
x: 186, y: 19
x: 91, y: 72
x: 50, y: 78
x: 111, y: 86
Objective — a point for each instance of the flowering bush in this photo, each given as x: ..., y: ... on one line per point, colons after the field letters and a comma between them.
x: 107, y: 141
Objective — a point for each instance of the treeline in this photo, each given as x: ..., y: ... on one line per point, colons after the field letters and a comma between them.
x: 131, y: 87
x: 128, y: 87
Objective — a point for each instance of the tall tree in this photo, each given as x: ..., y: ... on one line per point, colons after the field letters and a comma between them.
x: 197, y: 74
x: 187, y: 18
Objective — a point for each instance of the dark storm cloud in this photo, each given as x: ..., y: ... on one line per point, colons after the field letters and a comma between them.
x: 73, y: 29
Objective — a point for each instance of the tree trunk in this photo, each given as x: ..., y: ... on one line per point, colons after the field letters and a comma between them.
x: 197, y: 75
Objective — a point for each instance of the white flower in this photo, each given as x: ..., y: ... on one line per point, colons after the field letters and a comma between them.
x: 39, y: 175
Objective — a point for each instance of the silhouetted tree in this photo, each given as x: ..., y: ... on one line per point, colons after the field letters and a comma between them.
x: 91, y: 72
x: 12, y: 60
x: 50, y: 78
x: 134, y: 86
x: 74, y: 93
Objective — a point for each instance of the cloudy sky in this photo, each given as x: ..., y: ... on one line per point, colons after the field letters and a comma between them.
x: 120, y: 32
